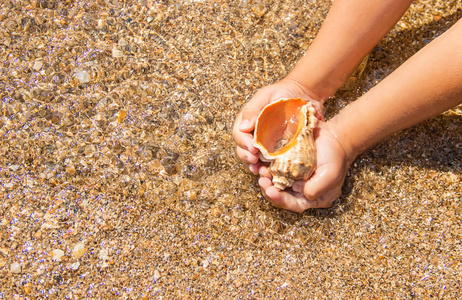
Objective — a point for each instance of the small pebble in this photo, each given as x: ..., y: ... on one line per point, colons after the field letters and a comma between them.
x: 103, y: 254
x: 37, y: 65
x: 57, y: 254
x: 15, y: 268
x: 117, y: 53
x: 192, y: 195
x: 259, y: 10
x: 156, y: 274
x: 82, y: 77
x: 74, y: 266
x: 79, y: 250
x: 70, y: 170
x: 205, y: 263
x: 121, y: 115
x: 14, y: 168
x: 27, y: 290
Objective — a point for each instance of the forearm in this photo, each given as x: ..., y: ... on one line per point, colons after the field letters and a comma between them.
x: 352, y: 28
x: 428, y: 84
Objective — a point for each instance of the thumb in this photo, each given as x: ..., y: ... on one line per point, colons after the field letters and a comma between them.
x: 247, y: 123
x: 249, y: 115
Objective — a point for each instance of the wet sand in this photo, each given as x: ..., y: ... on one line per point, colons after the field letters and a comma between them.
x: 117, y: 168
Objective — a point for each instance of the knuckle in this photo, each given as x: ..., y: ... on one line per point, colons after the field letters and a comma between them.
x: 241, y: 154
x: 310, y: 194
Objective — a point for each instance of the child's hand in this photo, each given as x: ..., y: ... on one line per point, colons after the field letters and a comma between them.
x: 325, y: 184
x: 245, y: 121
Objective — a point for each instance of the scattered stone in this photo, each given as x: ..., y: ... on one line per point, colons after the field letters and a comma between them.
x: 103, y: 254
x: 70, y: 170
x: 82, y: 77
x: 15, y: 268
x: 205, y: 263
x: 74, y: 266
x: 121, y: 115
x: 191, y: 195
x: 79, y: 250
x: 259, y: 10
x: 116, y: 53
x: 14, y: 168
x: 57, y: 254
x: 27, y: 289
x: 37, y: 65
x: 156, y: 274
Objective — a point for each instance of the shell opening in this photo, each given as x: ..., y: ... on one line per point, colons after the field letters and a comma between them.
x: 280, y: 125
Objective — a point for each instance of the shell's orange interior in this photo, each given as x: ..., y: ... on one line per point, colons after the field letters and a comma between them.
x: 280, y: 120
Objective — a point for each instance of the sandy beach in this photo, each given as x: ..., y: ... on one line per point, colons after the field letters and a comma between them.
x: 118, y: 175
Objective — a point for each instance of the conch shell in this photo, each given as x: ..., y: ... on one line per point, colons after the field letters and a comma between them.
x: 284, y: 135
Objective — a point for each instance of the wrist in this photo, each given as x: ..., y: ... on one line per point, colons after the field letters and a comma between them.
x: 315, y: 88
x: 306, y: 94
x: 303, y: 89
x: 345, y: 140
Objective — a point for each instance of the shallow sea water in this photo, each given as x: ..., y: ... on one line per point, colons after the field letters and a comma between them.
x: 117, y: 167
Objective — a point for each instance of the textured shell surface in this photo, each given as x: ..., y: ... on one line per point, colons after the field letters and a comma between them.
x: 284, y: 136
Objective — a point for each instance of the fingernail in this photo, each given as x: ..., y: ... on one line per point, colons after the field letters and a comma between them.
x: 245, y: 124
x: 253, y: 169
